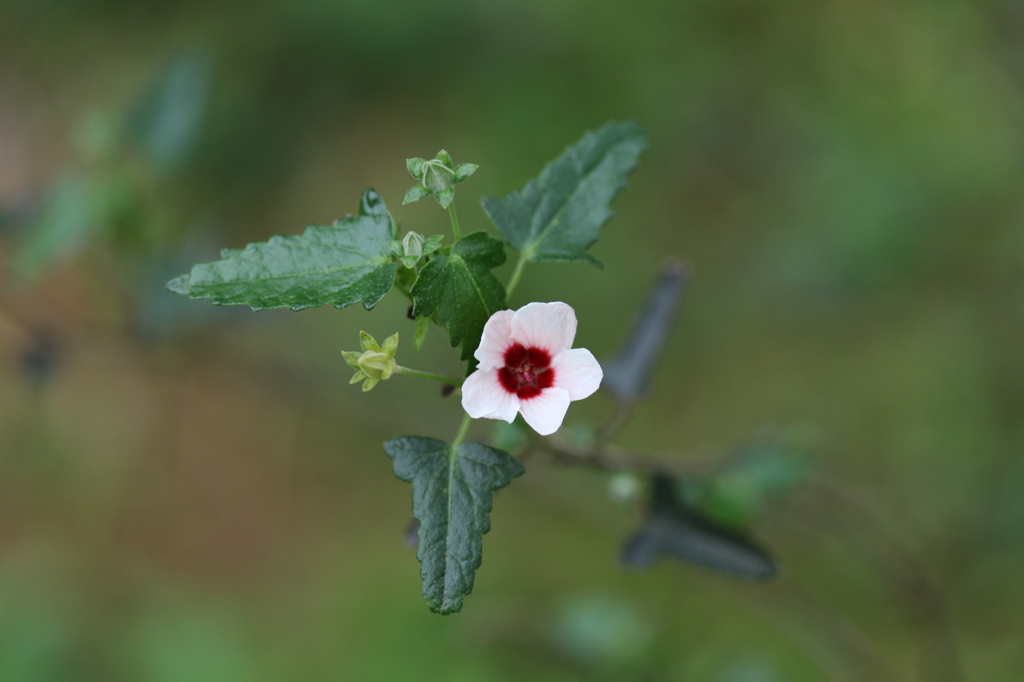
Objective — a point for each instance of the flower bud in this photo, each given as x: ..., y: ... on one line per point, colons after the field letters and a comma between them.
x: 375, y: 363
x: 437, y: 177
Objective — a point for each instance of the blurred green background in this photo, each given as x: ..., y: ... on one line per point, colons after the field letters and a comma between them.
x: 190, y: 493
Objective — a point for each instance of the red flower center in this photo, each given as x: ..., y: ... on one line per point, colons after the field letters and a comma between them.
x: 526, y: 371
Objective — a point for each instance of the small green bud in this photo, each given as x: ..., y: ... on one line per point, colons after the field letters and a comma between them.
x: 375, y: 362
x: 437, y: 177
x: 412, y: 243
x: 624, y: 488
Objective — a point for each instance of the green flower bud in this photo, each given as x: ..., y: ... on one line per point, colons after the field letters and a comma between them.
x: 437, y: 177
x: 413, y: 244
x: 375, y: 363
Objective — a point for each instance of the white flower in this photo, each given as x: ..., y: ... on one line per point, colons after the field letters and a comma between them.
x: 527, y: 364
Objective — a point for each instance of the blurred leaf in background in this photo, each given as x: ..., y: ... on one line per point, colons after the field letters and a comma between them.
x: 166, y: 122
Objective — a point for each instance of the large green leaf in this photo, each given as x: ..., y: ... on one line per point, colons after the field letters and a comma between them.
x: 340, y: 264
x: 451, y: 498
x: 558, y: 216
x: 461, y: 289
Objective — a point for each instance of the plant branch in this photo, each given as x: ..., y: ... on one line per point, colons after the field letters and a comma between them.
x: 428, y: 375
x: 461, y: 435
x: 455, y: 221
x: 516, y: 274
x: 611, y: 458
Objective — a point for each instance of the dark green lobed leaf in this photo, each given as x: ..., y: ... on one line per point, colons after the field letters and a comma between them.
x: 342, y: 264
x: 675, y: 529
x: 559, y: 214
x: 461, y: 289
x: 627, y: 376
x: 451, y: 498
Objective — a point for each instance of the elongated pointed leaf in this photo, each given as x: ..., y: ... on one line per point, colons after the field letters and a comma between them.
x: 461, y: 289
x: 451, y: 498
x: 627, y: 376
x: 675, y: 530
x: 341, y: 264
x: 559, y: 215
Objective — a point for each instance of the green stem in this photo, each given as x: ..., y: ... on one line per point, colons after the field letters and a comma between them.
x: 461, y: 435
x: 428, y: 375
x: 516, y: 274
x: 404, y: 289
x: 455, y: 221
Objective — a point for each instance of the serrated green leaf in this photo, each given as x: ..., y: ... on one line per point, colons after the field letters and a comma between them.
x: 461, y: 289
x: 415, y: 167
x: 415, y: 193
x: 451, y: 497
x: 419, y: 333
x: 346, y: 263
x: 445, y: 197
x: 559, y: 215
x: 445, y: 158
x: 464, y: 170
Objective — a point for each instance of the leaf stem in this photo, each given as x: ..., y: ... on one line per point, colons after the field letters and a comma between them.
x: 461, y: 435
x: 428, y: 375
x: 516, y: 274
x: 455, y: 221
x: 404, y: 289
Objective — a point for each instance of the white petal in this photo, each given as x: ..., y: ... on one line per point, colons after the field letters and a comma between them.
x: 545, y: 412
x: 495, y: 340
x: 483, y: 397
x: 578, y: 372
x: 551, y: 326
